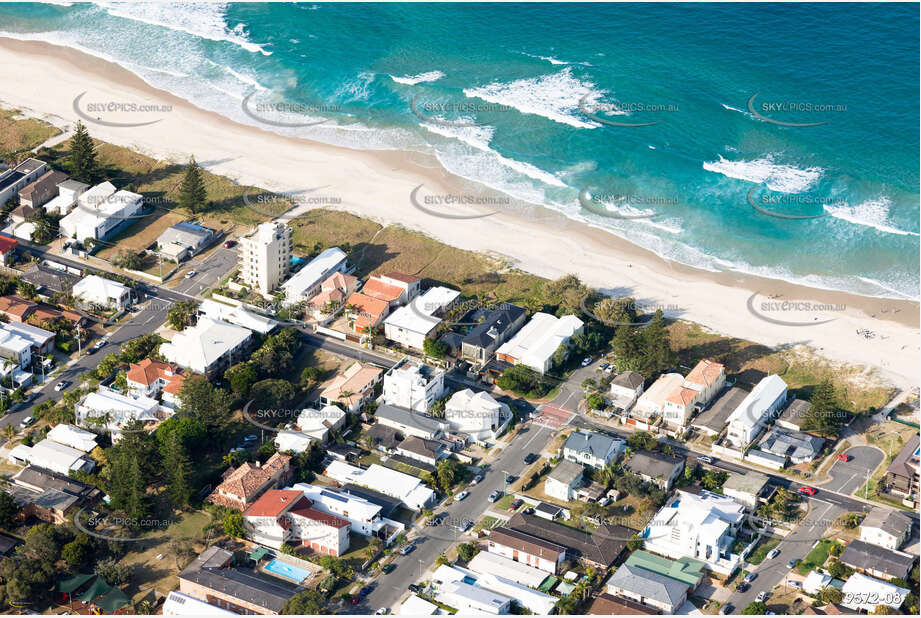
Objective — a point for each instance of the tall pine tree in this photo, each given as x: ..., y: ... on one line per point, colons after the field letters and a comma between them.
x: 823, y: 414
x: 179, y: 470
x: 192, y: 194
x: 82, y: 160
x: 658, y: 352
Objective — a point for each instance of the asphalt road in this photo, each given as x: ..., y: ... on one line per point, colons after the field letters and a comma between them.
x: 209, y: 271
x: 848, y: 476
x: 432, y: 541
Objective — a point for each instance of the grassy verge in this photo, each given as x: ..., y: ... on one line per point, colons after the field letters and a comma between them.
x: 816, y: 557
x: 765, y: 545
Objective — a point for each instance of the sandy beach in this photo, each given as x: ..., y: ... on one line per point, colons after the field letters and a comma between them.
x: 43, y: 80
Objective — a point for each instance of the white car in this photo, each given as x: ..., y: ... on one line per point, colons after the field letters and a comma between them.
x: 26, y: 422
x: 61, y: 385
x: 586, y: 361
x: 761, y: 596
x: 604, y: 501
x: 476, y: 479
x: 191, y: 274
x: 773, y: 553
x: 383, y: 611
x: 462, y: 495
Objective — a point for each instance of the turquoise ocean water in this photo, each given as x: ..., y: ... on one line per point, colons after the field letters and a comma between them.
x: 535, y: 70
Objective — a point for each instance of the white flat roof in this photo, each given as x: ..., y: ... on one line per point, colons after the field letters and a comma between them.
x: 178, y: 604
x: 485, y: 562
x: 417, y: 606
x: 766, y: 392
x: 200, y: 346
x: 73, y: 437
x: 237, y: 315
x: 540, y: 337
x: 314, y: 272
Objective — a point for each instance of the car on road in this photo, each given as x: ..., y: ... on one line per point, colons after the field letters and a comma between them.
x: 26, y: 422
x: 793, y: 563
x: 586, y: 361
x: 809, y: 491
x: 530, y: 458
x: 229, y: 243
x: 382, y: 611
x: 761, y: 596
x: 476, y: 479
x: 751, y: 577
x: 742, y: 587
x: 466, y: 525
x: 61, y: 385
x: 407, y: 549
x: 604, y: 501
x: 603, y: 366
x: 773, y: 553
x: 704, y: 459
x: 366, y: 590
x: 462, y: 495
x: 356, y: 599
x: 844, y: 457
x: 494, y: 496
x: 387, y: 568
x: 726, y: 609
x: 190, y: 274
x: 100, y: 344
x: 415, y: 587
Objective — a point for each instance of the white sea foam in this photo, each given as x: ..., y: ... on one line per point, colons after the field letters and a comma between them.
x: 871, y: 213
x: 411, y: 80
x: 554, y: 96
x: 246, y: 79
x: 776, y: 176
x: 201, y: 19
x: 358, y: 89
x: 555, y: 61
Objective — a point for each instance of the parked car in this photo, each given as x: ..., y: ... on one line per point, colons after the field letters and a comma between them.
x: 356, y: 599
x: 191, y: 274
x: 586, y: 361
x: 61, y: 385
x: 100, y: 344
x: 529, y: 510
x: 809, y: 491
x: 604, y: 501
x: 462, y: 495
x: 476, y: 479
x: 726, y: 609
x: 773, y: 553
x: 387, y: 568
x: 705, y: 459
x: 530, y: 458
x: 366, y: 590
x: 793, y: 563
x: 603, y: 366
x: 751, y: 577
x: 515, y: 504
x: 407, y: 549
x: 494, y: 496
x: 761, y: 596
x: 229, y: 243
x: 795, y: 584
x: 466, y: 525
x: 742, y: 587
x: 415, y: 587
x: 26, y: 422
x: 383, y: 611
x: 844, y: 457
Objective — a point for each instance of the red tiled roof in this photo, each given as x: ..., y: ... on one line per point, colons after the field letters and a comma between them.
x: 247, y: 480
x: 273, y: 503
x: 15, y: 305
x: 682, y: 396
x: 706, y: 372
x: 7, y: 244
x: 304, y: 508
x: 148, y: 371
x: 367, y: 305
x: 376, y: 288
x: 402, y: 277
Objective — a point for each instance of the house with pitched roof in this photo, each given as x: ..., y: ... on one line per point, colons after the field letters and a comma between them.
x: 16, y: 308
x: 600, y: 547
x: 333, y: 292
x: 626, y: 388
x: 498, y: 326
x: 652, y: 402
x: 903, y: 476
x: 282, y: 516
x: 592, y: 448
x: 877, y: 561
x: 885, y: 527
x: 150, y: 378
x: 537, y: 342
x: 365, y: 517
x: 353, y: 387
x: 243, y: 486
x: 654, y: 467
x: 208, y: 346
x: 365, y: 312
x: 526, y: 549
x: 648, y: 588
x: 706, y: 379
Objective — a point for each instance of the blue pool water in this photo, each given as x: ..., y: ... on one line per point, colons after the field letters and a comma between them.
x: 288, y: 571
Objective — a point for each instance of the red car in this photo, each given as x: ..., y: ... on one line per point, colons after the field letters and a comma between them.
x: 514, y: 505
x: 229, y: 243
x: 844, y: 457
x: 809, y: 491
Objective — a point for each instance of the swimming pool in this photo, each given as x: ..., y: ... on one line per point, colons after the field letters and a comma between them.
x: 288, y: 571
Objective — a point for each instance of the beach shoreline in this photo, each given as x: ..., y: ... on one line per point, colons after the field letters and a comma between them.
x: 378, y: 184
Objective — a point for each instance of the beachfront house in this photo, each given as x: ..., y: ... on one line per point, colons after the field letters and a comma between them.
x: 14, y: 179
x: 184, y: 240
x: 497, y: 327
x: 413, y: 385
x: 411, y: 325
x: 538, y: 341
x: 101, y: 210
x: 750, y: 418
x: 306, y: 283
x: 477, y: 415
x: 651, y: 404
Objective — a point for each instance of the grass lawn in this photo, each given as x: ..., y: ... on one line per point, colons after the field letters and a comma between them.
x: 765, y: 545
x: 486, y: 523
x: 18, y: 135
x: 504, y: 502
x: 816, y: 557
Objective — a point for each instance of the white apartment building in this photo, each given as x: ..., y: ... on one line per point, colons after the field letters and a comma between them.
x: 308, y: 281
x: 265, y: 256
x: 110, y: 410
x: 751, y: 416
x: 698, y: 389
x: 100, y: 210
x: 365, y: 517
x: 413, y: 385
x: 701, y: 526
x: 477, y: 414
x: 410, y: 325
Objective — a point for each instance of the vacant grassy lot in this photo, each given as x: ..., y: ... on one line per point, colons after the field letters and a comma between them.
x: 816, y: 557
x: 19, y: 135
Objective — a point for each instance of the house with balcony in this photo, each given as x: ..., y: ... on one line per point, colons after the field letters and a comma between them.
x: 242, y: 486
x: 152, y: 378
x: 413, y: 385
x: 477, y: 415
x: 283, y: 516
x: 591, y: 448
x: 756, y: 411
x: 365, y: 517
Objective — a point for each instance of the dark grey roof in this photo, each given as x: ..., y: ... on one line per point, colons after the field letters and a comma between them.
x: 716, y: 416
x: 388, y: 505
x: 647, y: 584
x: 408, y: 418
x: 591, y: 442
x: 39, y: 478
x: 7, y: 543
x: 50, y: 279
x: 384, y: 435
x: 566, y: 472
x: 905, y: 464
x: 891, y: 521
x: 500, y: 319
x: 792, y: 444
x: 420, y: 446
x: 652, y: 464
x: 602, y: 546
x: 867, y: 557
x: 628, y: 379
x: 244, y: 584
x: 549, y: 509
x: 795, y: 412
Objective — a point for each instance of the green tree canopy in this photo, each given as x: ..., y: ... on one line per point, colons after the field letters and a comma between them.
x: 192, y: 194
x: 81, y: 161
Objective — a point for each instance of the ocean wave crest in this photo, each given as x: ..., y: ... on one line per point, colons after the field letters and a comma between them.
x: 870, y: 213
x: 775, y: 176
x: 411, y: 80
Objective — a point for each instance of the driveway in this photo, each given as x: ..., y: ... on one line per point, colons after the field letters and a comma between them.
x: 851, y: 475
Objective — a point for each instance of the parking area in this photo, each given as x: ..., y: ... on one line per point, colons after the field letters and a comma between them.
x: 848, y: 476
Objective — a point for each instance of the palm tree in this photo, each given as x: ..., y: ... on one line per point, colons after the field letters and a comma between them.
x: 9, y: 433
